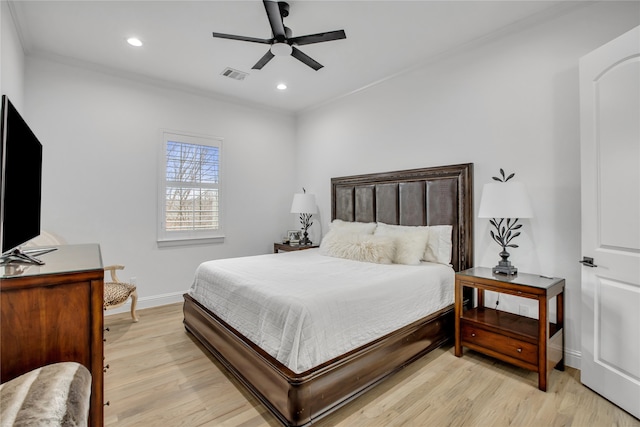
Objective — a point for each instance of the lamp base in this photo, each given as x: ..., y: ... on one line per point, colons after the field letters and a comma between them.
x: 504, y: 266
x: 305, y: 220
x: 305, y: 239
x: 505, y: 269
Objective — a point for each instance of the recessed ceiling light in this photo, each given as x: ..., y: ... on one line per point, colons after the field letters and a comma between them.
x: 134, y: 41
x: 281, y: 86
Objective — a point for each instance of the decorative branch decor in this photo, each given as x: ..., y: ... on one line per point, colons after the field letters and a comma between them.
x: 505, y: 235
x: 305, y: 220
x: 503, y: 179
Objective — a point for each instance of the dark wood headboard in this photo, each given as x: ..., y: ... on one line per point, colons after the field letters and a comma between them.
x: 431, y: 196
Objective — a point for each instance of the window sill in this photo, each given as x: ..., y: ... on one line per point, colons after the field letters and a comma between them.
x: 170, y: 243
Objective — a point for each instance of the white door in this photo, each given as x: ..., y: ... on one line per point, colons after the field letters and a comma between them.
x: 610, y: 156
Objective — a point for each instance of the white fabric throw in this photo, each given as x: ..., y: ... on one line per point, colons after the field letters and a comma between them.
x: 304, y: 308
x: 56, y: 395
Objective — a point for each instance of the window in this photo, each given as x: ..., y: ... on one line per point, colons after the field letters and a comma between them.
x: 190, y: 191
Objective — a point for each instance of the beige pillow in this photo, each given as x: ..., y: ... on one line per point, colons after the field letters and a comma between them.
x: 439, y: 244
x: 352, y: 227
x: 358, y: 247
x: 411, y: 242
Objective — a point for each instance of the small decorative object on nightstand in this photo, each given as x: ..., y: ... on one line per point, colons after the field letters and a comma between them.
x: 505, y: 200
x: 534, y: 344
x: 293, y: 237
x: 305, y: 205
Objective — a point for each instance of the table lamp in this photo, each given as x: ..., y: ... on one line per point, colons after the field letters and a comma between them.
x: 504, y: 203
x: 305, y: 205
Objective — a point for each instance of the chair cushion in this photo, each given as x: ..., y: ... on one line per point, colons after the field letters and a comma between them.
x: 116, y: 293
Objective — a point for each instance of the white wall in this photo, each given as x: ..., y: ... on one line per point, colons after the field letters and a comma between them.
x: 511, y: 103
x: 11, y: 60
x: 2, y: 30
x: 101, y: 140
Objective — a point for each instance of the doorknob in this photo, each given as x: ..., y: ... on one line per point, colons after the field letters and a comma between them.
x: 587, y: 261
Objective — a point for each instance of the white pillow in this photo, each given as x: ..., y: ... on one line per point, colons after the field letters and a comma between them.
x: 352, y: 227
x: 358, y: 247
x: 439, y: 244
x: 411, y: 242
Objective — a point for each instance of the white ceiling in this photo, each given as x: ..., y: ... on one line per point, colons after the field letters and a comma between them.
x: 383, y: 38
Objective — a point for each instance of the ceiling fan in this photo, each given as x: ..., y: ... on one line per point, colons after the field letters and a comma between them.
x: 282, y: 43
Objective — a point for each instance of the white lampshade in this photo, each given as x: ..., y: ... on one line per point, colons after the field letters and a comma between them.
x: 304, y: 203
x: 505, y: 200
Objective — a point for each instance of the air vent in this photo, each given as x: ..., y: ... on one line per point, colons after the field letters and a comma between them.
x: 234, y: 74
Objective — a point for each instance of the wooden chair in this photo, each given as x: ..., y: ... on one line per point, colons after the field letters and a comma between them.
x: 116, y: 293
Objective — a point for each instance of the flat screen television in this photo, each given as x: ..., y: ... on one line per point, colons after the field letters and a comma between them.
x: 20, y: 183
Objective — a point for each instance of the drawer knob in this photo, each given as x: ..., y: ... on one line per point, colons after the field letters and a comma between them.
x: 519, y: 350
x: 473, y: 334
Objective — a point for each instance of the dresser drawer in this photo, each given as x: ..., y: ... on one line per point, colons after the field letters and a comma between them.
x: 508, y: 346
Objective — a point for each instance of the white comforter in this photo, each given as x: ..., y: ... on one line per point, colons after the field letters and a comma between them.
x: 304, y: 308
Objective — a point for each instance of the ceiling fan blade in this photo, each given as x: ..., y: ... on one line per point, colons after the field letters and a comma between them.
x: 302, y: 57
x: 275, y: 19
x: 318, y: 38
x: 242, y: 38
x: 263, y: 61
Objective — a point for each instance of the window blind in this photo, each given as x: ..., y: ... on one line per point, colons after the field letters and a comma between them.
x: 192, y: 187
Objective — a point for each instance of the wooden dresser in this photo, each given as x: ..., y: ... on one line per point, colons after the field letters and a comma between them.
x: 53, y: 313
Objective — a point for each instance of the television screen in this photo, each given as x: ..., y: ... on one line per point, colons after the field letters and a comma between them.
x: 20, y: 179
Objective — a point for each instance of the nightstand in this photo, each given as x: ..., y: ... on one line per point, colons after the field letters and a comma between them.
x: 285, y: 247
x: 534, y: 344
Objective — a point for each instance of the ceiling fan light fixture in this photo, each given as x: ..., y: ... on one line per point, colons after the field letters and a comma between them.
x: 281, y: 49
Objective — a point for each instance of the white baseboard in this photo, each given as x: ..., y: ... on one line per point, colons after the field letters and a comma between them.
x: 573, y: 358
x: 149, y: 302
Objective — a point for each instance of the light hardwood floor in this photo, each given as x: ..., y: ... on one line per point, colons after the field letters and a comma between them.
x: 159, y: 375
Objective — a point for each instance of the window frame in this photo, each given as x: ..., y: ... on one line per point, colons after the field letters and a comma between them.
x: 190, y: 237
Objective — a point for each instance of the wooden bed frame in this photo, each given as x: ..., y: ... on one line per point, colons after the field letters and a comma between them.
x: 430, y: 196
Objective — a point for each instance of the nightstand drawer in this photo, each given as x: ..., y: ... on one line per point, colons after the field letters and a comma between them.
x: 508, y: 346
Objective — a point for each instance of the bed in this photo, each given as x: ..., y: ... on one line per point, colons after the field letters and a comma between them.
x: 418, y: 197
